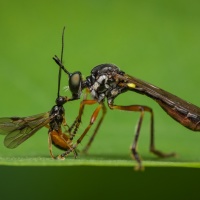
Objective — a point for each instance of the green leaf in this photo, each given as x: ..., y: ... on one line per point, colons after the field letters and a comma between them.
x: 156, y: 42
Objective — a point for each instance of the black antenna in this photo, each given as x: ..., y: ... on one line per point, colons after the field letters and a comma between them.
x: 61, y: 59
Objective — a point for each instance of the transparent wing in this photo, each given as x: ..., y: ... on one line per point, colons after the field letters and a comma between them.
x: 19, y: 129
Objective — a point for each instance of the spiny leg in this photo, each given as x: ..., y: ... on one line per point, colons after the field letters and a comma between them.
x: 77, y: 121
x: 85, y: 150
x: 92, y: 120
x: 68, y: 144
x: 142, y: 109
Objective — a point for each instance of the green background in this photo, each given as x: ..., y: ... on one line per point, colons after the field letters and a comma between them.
x: 156, y: 41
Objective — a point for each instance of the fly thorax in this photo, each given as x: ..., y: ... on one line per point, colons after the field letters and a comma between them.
x: 101, y: 97
x: 93, y: 93
x: 99, y: 88
x: 96, y: 86
x: 114, y: 92
x: 97, y: 95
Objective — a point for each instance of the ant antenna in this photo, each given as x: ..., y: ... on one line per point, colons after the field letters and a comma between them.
x: 61, y: 59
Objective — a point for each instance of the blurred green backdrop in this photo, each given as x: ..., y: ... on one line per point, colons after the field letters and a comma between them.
x: 156, y: 41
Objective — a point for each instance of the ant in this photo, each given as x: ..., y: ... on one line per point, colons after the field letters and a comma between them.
x: 19, y: 129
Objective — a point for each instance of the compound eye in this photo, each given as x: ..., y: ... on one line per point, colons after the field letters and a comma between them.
x: 75, y: 82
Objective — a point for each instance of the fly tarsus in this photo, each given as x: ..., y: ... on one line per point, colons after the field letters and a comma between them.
x: 161, y: 154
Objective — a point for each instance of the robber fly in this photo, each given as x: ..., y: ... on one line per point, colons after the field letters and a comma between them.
x: 19, y: 129
x: 107, y: 81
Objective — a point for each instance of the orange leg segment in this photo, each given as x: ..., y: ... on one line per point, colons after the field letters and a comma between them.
x: 50, y: 145
x: 77, y: 122
x: 92, y: 120
x: 85, y: 150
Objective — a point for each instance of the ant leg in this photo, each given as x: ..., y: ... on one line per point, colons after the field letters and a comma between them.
x: 60, y: 140
x: 64, y: 125
x: 50, y: 145
x: 141, y: 109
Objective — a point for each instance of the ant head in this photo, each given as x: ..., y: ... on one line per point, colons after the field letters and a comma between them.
x: 61, y: 100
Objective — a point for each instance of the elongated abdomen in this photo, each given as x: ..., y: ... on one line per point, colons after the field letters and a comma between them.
x: 182, y: 111
x: 182, y: 115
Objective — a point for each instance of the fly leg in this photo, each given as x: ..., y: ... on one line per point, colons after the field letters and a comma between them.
x: 92, y: 120
x: 77, y: 122
x: 85, y: 150
x: 141, y: 109
x: 152, y: 142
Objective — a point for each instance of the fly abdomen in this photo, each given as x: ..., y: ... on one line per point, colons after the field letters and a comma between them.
x: 181, y: 115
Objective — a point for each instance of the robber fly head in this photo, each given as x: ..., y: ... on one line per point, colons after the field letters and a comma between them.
x: 75, y: 79
x: 75, y: 84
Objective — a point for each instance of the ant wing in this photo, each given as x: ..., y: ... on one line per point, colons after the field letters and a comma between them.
x: 19, y: 129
